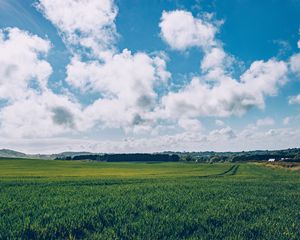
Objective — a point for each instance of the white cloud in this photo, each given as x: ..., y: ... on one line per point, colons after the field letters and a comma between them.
x: 32, y: 109
x: 223, y: 133
x: 89, y: 23
x: 298, y: 44
x: 225, y: 140
x: 190, y: 125
x: 181, y: 30
x: 217, y: 65
x: 213, y: 59
x: 265, y: 122
x: 294, y: 99
x: 127, y: 83
x: 41, y: 115
x: 295, y: 63
x: 22, y: 64
x: 215, y: 93
x: 265, y: 77
x: 227, y: 96
x: 120, y: 75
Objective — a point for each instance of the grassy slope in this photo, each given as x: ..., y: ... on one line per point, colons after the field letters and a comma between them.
x: 25, y: 168
x: 147, y: 201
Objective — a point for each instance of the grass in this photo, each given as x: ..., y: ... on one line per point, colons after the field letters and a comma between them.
x: 293, y: 166
x: 26, y: 168
x: 42, y: 199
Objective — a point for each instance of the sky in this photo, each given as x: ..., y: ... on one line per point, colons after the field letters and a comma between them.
x: 149, y: 76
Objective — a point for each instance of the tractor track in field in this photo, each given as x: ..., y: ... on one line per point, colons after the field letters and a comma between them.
x: 229, y: 172
x: 101, y: 182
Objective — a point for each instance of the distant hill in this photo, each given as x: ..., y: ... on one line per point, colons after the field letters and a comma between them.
x: 8, y: 153
x: 11, y: 154
x: 61, y: 155
x: 288, y: 155
x: 72, y: 154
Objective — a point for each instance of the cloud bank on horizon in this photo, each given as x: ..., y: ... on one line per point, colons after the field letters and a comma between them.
x: 117, y: 99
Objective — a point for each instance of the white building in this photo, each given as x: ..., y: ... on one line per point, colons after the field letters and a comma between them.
x: 271, y: 160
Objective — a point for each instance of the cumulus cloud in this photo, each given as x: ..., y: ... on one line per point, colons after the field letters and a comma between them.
x: 127, y: 83
x: 228, y: 96
x: 123, y: 75
x: 190, y: 125
x: 279, y: 138
x: 215, y: 92
x: 32, y: 109
x: 181, y: 30
x: 223, y: 133
x: 265, y: 77
x: 265, y: 122
x: 295, y: 63
x: 22, y: 64
x: 213, y: 59
x: 41, y: 115
x: 62, y: 116
x: 131, y: 86
x: 294, y: 99
x: 89, y: 23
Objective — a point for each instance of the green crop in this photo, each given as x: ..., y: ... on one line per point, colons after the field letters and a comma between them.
x: 41, y: 199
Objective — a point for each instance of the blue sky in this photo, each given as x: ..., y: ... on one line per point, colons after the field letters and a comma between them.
x: 194, y: 75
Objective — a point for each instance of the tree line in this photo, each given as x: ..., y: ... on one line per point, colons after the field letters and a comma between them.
x: 129, y: 157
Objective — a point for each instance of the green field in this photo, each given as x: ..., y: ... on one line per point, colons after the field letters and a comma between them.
x: 46, y: 199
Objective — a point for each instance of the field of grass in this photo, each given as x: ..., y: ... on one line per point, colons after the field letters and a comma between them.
x: 293, y: 166
x: 43, y: 199
x: 26, y: 168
